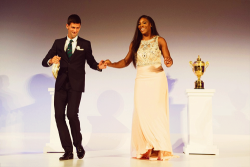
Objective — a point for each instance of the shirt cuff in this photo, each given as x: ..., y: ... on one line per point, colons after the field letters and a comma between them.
x: 48, y: 63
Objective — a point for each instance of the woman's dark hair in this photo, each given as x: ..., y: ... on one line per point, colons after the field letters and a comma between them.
x: 138, y: 36
x: 74, y: 18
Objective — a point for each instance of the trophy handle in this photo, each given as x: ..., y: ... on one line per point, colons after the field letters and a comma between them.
x: 191, y: 65
x: 207, y: 64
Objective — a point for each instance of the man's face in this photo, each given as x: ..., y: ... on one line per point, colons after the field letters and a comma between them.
x: 73, y: 29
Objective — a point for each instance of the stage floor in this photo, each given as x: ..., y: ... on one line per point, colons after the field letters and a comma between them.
x: 119, y: 159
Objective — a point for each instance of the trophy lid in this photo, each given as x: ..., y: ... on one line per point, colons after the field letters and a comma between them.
x: 199, y: 58
x: 199, y: 62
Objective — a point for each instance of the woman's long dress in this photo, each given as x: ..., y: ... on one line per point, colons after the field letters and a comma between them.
x: 150, y: 128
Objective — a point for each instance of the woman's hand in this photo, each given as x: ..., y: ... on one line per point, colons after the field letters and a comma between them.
x: 108, y: 62
x: 168, y: 61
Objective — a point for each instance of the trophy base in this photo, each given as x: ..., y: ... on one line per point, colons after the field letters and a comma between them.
x: 199, y: 84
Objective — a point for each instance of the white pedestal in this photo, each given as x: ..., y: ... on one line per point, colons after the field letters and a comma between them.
x: 55, y: 144
x: 200, y: 122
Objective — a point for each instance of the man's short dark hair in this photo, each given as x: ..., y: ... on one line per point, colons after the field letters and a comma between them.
x: 74, y: 18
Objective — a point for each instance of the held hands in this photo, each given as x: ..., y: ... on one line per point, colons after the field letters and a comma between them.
x: 102, y: 64
x: 108, y: 62
x: 168, y: 61
x: 55, y: 60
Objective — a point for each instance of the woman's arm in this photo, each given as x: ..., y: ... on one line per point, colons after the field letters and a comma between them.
x: 168, y: 61
x: 122, y: 63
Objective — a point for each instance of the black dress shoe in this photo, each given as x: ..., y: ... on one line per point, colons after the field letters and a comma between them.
x: 67, y: 155
x: 80, y: 152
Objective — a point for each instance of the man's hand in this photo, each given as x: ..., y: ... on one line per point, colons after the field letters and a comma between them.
x: 168, y: 61
x: 102, y: 64
x: 55, y: 60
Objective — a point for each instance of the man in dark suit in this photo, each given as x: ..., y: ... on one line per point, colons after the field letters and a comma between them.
x: 72, y: 52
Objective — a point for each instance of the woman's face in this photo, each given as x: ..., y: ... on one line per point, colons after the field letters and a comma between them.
x: 144, y: 26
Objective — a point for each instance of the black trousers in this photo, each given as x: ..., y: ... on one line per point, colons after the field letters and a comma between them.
x: 70, y: 98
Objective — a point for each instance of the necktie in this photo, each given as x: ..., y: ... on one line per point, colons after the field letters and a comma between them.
x: 69, y: 49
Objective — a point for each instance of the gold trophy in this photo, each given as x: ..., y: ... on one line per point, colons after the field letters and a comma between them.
x: 199, y: 67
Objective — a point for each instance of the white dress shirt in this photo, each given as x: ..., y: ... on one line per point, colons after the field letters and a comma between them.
x: 74, y: 43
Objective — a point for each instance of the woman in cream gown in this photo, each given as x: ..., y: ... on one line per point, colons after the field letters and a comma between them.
x: 150, y: 128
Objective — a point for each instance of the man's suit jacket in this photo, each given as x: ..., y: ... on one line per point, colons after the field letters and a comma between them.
x: 73, y: 68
